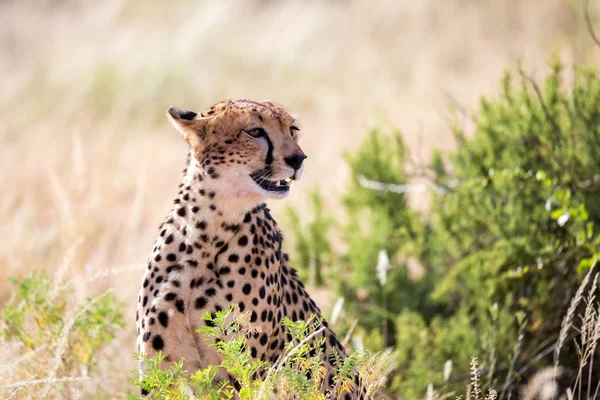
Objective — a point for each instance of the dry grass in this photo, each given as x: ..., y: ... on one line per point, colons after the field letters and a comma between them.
x: 552, y: 382
x: 90, y: 165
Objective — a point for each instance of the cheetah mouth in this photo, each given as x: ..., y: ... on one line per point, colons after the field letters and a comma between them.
x: 270, y: 186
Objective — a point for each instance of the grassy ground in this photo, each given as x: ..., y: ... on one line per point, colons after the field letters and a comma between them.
x: 90, y: 166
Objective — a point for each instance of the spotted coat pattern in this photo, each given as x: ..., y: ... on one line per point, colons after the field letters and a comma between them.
x: 212, y: 252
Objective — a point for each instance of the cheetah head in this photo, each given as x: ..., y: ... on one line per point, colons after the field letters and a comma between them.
x: 248, y: 149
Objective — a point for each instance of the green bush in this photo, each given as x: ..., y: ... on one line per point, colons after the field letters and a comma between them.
x: 520, y: 228
x: 381, y: 220
x: 512, y: 230
x: 56, y: 343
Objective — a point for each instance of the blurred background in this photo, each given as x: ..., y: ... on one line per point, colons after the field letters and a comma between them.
x: 89, y: 165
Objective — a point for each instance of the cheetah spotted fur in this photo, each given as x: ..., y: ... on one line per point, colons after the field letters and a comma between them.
x: 220, y: 246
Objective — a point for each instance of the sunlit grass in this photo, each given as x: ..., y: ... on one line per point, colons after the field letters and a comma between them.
x: 90, y: 165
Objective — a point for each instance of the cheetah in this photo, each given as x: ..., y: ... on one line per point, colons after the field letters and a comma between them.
x: 220, y: 245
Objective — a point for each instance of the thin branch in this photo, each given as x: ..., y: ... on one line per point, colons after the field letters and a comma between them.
x: 397, y: 188
x: 284, y: 360
x: 22, y: 358
x: 19, y: 386
x: 31, y: 381
x: 346, y: 339
x: 463, y: 110
x: 420, y: 158
x: 540, y: 97
x: 418, y: 163
x: 588, y: 22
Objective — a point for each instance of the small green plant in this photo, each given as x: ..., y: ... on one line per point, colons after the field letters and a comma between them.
x: 297, y: 374
x: 163, y: 384
x: 57, y: 341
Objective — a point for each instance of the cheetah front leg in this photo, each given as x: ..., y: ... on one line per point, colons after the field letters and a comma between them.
x: 165, y: 328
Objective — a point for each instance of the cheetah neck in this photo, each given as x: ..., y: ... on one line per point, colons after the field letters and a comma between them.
x: 201, y: 208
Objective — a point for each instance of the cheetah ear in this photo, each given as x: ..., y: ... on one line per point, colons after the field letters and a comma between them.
x: 190, y: 125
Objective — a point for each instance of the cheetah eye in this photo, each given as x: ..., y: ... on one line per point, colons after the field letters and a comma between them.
x: 256, y: 132
x: 293, y: 130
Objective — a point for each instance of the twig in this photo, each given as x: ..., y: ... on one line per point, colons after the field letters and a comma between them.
x: 538, y: 357
x: 298, y: 346
x: 32, y: 381
x: 516, y: 352
x: 19, y: 386
x: 419, y: 155
x: 538, y: 93
x: 455, y: 102
x: 444, y: 187
x: 65, y: 265
x: 101, y: 274
x: 349, y: 333
x: 23, y: 357
x: 397, y: 188
x: 418, y: 164
x: 588, y: 22
x: 567, y: 322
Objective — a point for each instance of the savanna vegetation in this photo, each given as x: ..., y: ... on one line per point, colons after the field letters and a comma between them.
x: 457, y: 261
x: 496, y: 268
x: 502, y: 268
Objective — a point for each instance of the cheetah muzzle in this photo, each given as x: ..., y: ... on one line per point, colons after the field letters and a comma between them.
x: 270, y: 186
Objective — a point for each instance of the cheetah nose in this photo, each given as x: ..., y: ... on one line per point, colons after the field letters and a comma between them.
x: 295, y: 160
